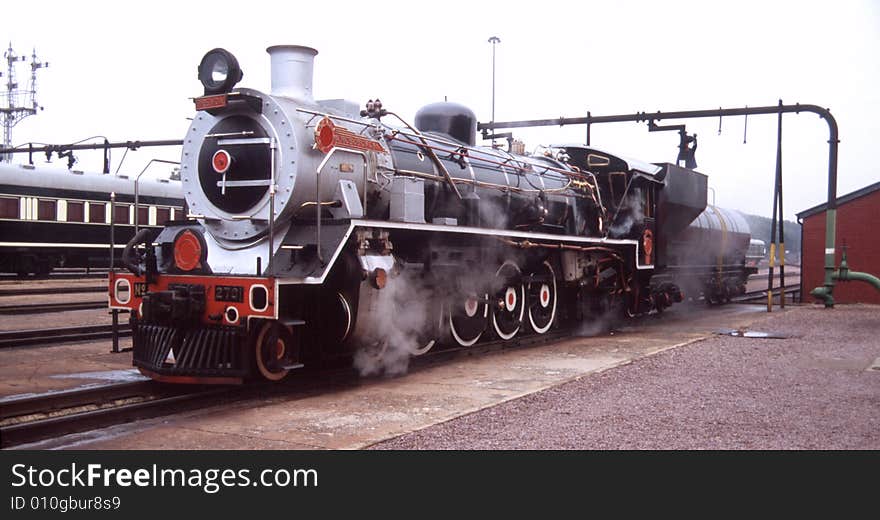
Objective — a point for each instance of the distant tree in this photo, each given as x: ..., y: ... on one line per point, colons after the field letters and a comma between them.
x: 760, y: 227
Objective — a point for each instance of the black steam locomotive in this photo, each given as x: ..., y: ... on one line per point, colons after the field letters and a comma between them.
x: 319, y: 229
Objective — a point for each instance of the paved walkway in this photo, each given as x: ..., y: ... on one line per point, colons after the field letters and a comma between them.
x: 819, y: 389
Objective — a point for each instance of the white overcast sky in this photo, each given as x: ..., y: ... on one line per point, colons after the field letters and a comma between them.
x: 126, y: 70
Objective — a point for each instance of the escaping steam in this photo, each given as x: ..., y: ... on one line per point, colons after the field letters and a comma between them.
x: 599, y: 324
x: 403, y: 318
x: 399, y: 315
x: 629, y: 213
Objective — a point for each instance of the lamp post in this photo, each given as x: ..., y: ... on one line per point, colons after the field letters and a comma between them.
x: 493, y: 40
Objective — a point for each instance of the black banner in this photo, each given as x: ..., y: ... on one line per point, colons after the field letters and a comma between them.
x: 238, y: 484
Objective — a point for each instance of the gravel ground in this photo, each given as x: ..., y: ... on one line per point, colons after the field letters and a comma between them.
x: 814, y: 390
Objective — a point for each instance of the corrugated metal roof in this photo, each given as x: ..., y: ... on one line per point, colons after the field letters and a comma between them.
x: 867, y: 190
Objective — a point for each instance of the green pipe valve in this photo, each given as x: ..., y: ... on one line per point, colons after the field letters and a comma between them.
x: 845, y: 275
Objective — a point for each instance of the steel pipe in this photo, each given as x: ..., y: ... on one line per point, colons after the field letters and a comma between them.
x: 825, y: 292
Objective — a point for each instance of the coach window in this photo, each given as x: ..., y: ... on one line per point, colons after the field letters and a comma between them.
x: 75, y: 211
x: 163, y: 215
x: 47, y: 210
x: 143, y: 215
x: 121, y: 214
x: 9, y: 207
x: 97, y: 212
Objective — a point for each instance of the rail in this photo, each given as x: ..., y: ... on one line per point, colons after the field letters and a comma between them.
x: 29, y: 291
x: 52, y: 336
x: 762, y: 294
x: 27, y: 405
x: 36, y: 418
x: 15, y: 277
x: 37, y: 308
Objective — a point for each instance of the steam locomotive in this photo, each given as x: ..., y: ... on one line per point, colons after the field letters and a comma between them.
x: 318, y: 229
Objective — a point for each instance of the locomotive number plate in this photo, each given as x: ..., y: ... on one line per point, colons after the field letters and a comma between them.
x: 229, y: 293
x: 140, y: 289
x: 208, y: 102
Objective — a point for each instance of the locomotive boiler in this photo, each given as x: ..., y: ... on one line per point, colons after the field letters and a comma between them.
x: 319, y: 229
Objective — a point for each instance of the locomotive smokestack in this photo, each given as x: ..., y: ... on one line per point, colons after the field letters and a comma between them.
x: 292, y: 67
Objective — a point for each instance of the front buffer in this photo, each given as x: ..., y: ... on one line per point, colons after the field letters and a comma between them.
x: 192, y: 329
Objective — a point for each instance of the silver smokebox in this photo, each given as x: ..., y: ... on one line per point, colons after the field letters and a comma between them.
x: 292, y: 69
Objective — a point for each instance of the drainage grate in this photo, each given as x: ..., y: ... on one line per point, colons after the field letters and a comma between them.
x: 743, y: 333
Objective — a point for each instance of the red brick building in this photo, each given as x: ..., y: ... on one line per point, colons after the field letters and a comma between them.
x: 858, y: 225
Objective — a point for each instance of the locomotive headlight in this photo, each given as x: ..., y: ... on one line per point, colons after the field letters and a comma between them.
x: 219, y: 71
x: 189, y: 250
x: 221, y: 161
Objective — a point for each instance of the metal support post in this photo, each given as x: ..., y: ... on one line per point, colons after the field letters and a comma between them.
x: 494, y: 40
x: 111, y: 277
x: 776, y: 213
x: 115, y: 314
x: 781, y: 219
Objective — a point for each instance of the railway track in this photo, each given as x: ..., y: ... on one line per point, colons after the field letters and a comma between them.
x: 761, y: 295
x: 36, y: 308
x: 42, y: 291
x: 52, y: 336
x: 71, y: 275
x: 34, y: 418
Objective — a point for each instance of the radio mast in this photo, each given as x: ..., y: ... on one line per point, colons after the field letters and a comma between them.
x: 19, y: 103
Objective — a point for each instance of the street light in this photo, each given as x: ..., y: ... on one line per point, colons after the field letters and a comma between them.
x: 493, y: 40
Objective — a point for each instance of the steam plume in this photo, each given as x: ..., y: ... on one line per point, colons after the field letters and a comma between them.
x: 398, y: 317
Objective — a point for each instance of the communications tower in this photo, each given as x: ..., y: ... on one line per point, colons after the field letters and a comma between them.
x: 19, y: 103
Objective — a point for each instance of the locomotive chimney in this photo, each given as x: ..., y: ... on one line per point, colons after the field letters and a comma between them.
x: 292, y: 67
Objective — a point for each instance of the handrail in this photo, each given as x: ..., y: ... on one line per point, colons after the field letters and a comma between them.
x: 136, y: 194
x: 318, y: 202
x: 272, y: 147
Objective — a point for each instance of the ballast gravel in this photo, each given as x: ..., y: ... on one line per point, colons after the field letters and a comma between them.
x: 814, y: 390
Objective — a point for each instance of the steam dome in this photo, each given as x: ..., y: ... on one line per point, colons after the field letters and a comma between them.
x: 456, y: 121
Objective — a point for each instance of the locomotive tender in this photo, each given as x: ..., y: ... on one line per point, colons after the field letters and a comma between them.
x: 317, y: 229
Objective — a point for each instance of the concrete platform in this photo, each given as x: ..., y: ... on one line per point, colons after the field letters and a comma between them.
x: 378, y: 409
x: 34, y: 370
x: 31, y: 370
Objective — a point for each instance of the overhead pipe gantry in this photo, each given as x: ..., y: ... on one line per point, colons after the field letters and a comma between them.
x: 824, y: 292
